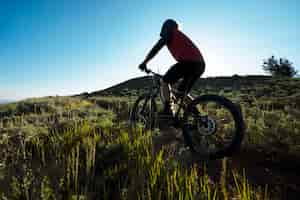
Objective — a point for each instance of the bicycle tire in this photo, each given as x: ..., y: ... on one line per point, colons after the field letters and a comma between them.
x: 151, y: 119
x: 238, y: 124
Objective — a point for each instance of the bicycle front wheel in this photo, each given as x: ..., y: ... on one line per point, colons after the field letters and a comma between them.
x: 213, y: 126
x: 144, y: 112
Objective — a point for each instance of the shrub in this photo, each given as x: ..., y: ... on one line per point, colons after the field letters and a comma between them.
x: 281, y: 68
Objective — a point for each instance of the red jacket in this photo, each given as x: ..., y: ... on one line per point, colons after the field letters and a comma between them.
x: 182, y: 48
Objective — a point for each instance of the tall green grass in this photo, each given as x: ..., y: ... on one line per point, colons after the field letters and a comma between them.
x: 84, y: 162
x: 69, y: 148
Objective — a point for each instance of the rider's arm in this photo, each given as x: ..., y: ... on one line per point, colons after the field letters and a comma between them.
x: 156, y: 48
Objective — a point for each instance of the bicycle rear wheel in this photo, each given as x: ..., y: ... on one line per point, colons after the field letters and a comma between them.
x: 213, y: 126
x: 144, y: 112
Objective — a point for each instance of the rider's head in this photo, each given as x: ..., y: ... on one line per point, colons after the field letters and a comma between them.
x: 168, y: 26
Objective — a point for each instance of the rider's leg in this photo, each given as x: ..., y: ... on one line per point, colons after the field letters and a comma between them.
x: 195, y: 70
x: 172, y: 75
x: 165, y: 95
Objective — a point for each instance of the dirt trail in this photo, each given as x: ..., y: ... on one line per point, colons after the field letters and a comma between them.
x: 273, y: 168
x: 262, y: 166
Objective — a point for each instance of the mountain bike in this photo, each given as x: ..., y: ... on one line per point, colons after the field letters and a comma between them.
x: 212, y: 125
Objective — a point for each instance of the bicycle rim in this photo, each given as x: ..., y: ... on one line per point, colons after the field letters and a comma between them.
x: 144, y: 112
x: 213, y: 126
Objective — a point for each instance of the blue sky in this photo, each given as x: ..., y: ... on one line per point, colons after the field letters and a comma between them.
x: 62, y: 47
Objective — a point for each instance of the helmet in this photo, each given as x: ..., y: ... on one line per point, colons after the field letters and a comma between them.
x: 167, y: 27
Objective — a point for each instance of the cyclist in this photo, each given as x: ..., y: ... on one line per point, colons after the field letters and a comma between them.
x: 190, y: 63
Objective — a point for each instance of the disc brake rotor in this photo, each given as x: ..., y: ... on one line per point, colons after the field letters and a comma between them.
x: 206, y: 126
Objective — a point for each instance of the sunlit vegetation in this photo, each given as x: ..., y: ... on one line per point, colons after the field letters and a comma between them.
x: 83, y: 148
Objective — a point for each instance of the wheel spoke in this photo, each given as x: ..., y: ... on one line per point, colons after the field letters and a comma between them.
x: 214, y: 128
x: 144, y: 112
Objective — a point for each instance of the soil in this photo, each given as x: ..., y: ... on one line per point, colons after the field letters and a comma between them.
x: 262, y: 166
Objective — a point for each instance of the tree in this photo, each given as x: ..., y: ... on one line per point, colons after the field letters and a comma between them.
x: 281, y: 68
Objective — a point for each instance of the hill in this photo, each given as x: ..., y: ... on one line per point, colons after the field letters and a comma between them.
x: 83, y: 148
x: 136, y: 85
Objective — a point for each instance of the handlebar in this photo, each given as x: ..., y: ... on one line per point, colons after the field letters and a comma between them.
x: 149, y: 71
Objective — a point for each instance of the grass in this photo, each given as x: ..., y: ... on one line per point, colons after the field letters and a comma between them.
x: 82, y: 148
x: 83, y: 162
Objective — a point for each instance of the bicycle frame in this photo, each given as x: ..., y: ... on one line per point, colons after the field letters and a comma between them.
x: 155, y: 90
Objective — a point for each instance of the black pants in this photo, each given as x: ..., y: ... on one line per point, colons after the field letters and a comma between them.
x: 189, y: 71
